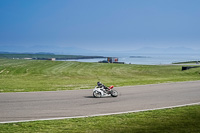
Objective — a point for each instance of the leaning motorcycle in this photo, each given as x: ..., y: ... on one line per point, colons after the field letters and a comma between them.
x: 101, y: 92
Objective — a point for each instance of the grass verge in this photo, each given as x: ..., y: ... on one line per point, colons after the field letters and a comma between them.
x: 38, y: 75
x: 177, y: 120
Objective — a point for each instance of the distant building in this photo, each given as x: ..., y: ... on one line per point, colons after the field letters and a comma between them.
x: 112, y: 59
x: 53, y: 59
x: 28, y: 58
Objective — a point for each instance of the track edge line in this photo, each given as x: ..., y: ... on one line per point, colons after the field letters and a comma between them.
x: 106, y: 114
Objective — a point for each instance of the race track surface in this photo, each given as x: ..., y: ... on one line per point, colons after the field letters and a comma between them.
x: 45, y: 105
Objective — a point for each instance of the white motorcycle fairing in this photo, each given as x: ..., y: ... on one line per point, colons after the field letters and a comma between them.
x: 101, y: 92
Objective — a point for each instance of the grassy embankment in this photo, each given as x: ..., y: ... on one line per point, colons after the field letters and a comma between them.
x: 188, y: 62
x: 37, y: 75
x: 177, y: 120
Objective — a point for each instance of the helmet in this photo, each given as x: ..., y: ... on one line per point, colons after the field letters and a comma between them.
x: 99, y: 83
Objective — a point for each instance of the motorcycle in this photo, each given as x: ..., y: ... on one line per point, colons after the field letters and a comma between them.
x: 101, y: 92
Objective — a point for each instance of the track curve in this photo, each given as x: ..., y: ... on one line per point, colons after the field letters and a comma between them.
x: 29, y: 106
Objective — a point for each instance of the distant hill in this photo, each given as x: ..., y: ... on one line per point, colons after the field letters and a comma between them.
x: 170, y: 50
x: 84, y: 52
x: 44, y: 56
x: 42, y: 53
x: 40, y: 49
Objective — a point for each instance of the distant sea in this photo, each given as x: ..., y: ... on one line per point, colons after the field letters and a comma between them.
x: 150, y: 59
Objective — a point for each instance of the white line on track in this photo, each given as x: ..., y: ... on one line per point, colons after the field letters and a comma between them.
x: 60, y: 118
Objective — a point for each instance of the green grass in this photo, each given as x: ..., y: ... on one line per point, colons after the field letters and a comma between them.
x: 176, y: 120
x: 37, y: 75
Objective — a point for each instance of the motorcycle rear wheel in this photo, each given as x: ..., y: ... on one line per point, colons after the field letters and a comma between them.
x: 114, y: 93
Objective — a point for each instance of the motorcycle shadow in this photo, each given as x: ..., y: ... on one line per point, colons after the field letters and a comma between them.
x: 99, y: 97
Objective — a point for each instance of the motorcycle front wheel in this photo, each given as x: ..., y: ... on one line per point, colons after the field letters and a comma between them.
x: 97, y: 94
x: 114, y: 93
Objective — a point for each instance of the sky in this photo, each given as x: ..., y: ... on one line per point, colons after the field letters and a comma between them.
x: 117, y: 25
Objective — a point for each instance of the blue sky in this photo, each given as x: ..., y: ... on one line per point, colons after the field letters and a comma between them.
x: 55, y: 25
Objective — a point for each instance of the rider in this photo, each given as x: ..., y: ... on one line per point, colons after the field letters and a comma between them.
x: 100, y: 85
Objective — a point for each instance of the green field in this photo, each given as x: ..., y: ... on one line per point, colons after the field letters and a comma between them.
x: 39, y: 75
x: 177, y: 120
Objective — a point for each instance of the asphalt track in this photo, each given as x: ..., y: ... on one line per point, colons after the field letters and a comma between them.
x: 30, y: 106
